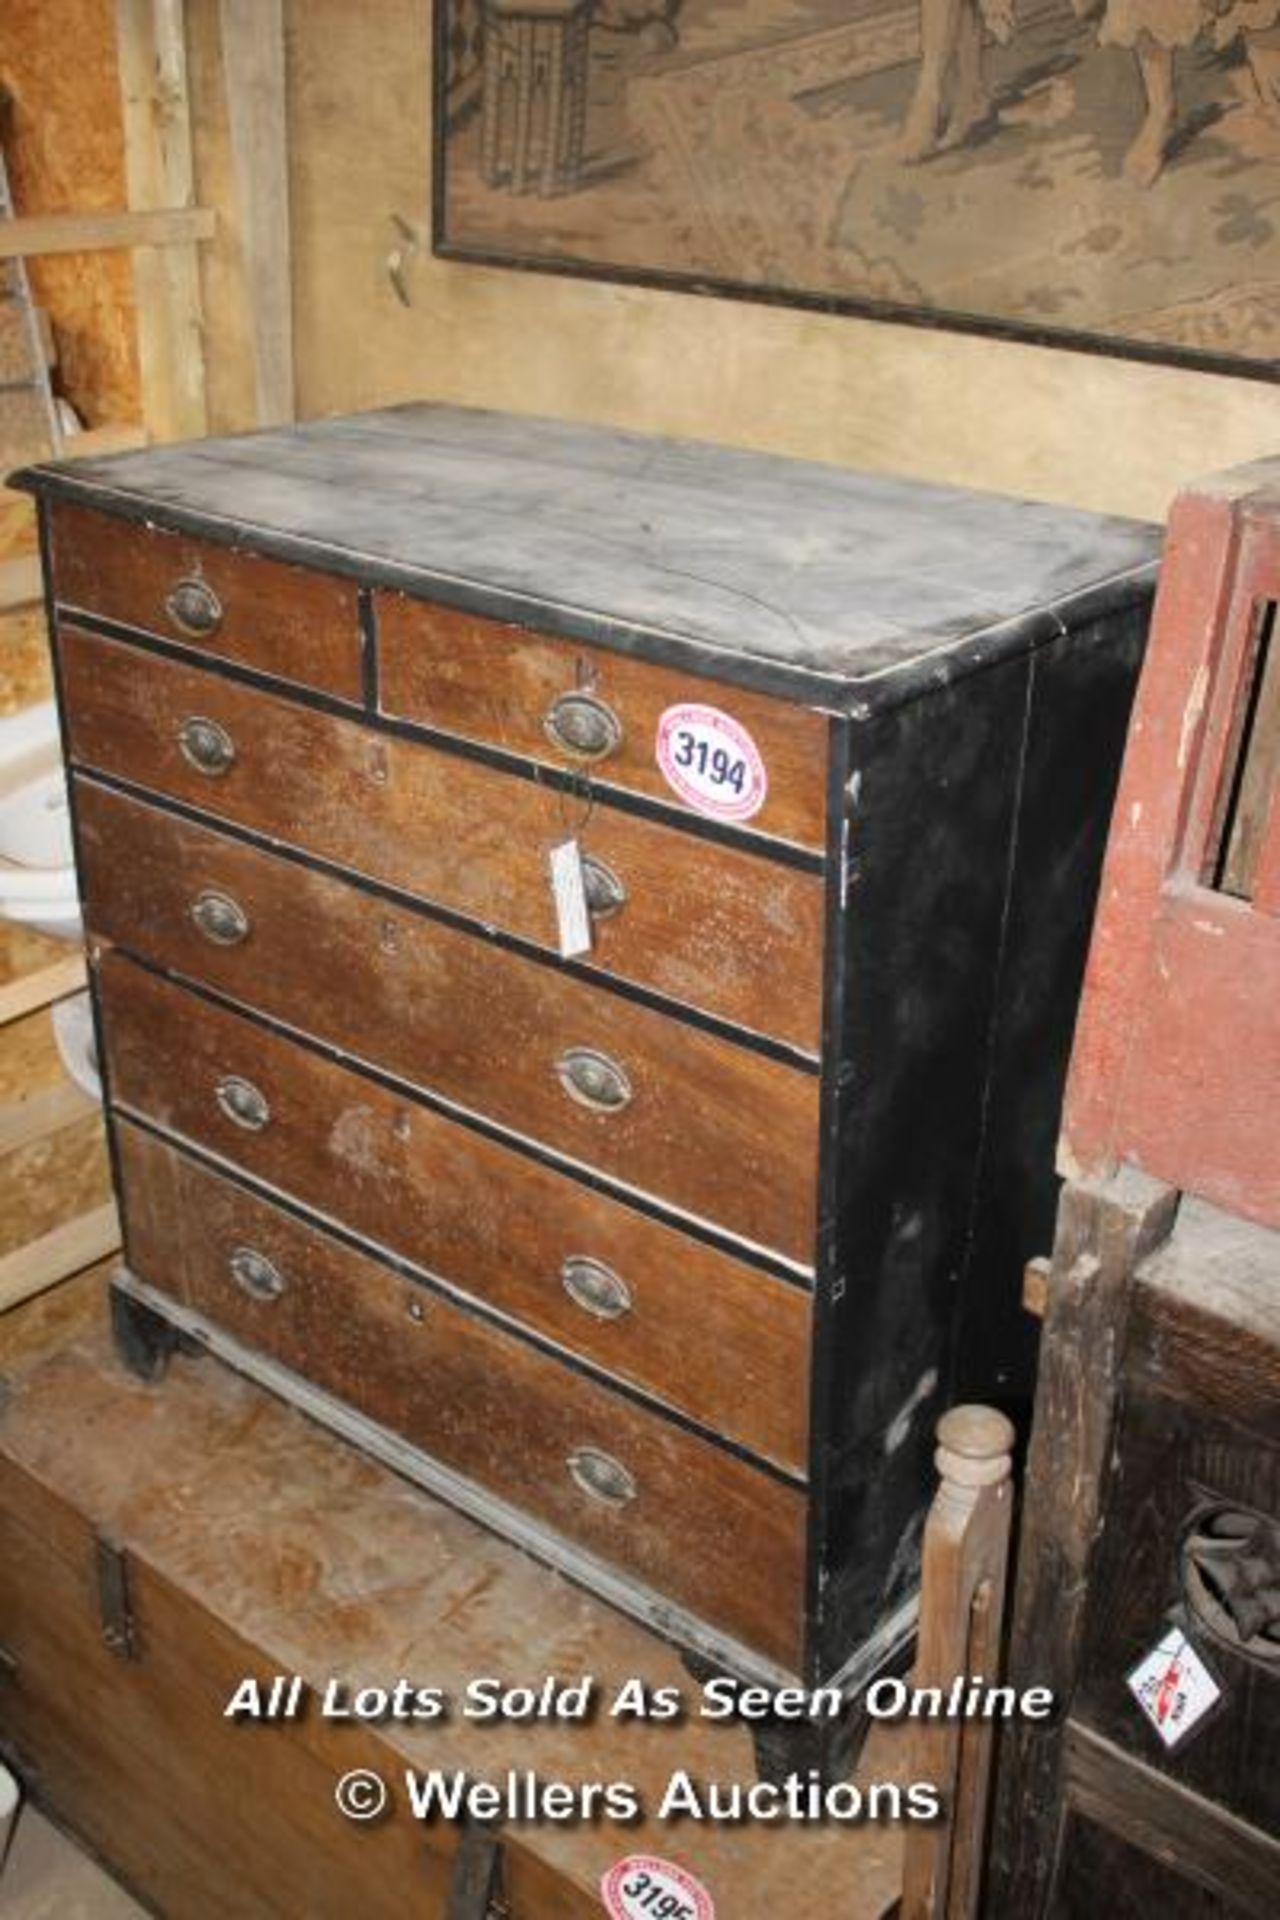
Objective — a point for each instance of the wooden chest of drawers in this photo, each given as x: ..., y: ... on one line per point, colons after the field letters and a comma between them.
x: 663, y: 1255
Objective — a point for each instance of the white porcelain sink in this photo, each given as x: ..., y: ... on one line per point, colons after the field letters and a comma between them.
x: 37, y: 867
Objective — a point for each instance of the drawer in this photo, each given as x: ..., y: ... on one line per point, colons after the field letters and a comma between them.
x: 706, y: 1125
x: 732, y: 933
x: 523, y: 692
x: 283, y: 620
x: 723, y: 1342
x: 723, y: 1538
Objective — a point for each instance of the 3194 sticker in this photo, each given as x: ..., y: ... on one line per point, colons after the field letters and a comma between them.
x: 711, y: 761
x: 644, y: 1888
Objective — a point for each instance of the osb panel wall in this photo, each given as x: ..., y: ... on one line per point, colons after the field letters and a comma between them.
x: 1060, y: 426
x: 66, y: 153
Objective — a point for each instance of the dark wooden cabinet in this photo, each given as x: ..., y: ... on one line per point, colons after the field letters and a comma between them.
x: 662, y: 1254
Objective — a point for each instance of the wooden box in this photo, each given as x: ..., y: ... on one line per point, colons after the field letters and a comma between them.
x: 659, y: 1253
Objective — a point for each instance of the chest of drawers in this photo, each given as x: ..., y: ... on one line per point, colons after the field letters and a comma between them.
x: 662, y: 1253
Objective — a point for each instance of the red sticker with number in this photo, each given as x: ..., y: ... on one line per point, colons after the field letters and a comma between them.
x: 643, y: 1888
x: 711, y: 761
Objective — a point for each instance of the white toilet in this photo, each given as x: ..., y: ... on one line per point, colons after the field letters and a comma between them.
x: 37, y: 870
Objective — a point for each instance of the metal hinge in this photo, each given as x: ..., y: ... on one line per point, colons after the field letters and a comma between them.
x: 119, y: 1629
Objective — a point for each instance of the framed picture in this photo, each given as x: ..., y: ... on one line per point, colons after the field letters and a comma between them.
x: 1102, y: 174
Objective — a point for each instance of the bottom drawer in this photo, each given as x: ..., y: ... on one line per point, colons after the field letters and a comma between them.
x: 723, y: 1539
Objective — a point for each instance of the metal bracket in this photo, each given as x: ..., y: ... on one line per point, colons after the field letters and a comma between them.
x: 119, y: 1628
x: 475, y: 1888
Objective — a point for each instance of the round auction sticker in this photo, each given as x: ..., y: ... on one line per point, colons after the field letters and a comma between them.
x: 642, y: 1888
x: 711, y: 762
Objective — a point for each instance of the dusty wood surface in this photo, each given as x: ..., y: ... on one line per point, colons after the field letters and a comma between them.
x: 783, y: 575
x: 324, y: 1564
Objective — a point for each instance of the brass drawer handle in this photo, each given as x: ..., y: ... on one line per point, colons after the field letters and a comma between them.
x: 205, y: 745
x: 605, y: 893
x: 255, y: 1275
x: 602, y: 1477
x: 194, y: 608
x: 593, y: 1080
x: 244, y: 1104
x: 580, y: 724
x: 597, y: 1289
x: 220, y: 918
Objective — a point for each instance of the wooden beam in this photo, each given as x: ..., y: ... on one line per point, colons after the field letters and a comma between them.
x: 45, y: 233
x: 42, y: 1263
x: 152, y: 51
x: 43, y: 987
x: 253, y: 60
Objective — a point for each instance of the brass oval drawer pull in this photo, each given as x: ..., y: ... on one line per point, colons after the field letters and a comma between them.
x: 205, y: 745
x: 580, y: 724
x: 220, y: 918
x: 194, y: 608
x: 255, y: 1275
x: 595, y: 1288
x: 602, y: 1477
x: 605, y: 893
x: 243, y: 1103
x: 593, y: 1080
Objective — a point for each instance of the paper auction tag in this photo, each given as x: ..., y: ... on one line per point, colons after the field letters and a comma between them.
x: 644, y: 1888
x: 569, y: 889
x: 1174, y: 1687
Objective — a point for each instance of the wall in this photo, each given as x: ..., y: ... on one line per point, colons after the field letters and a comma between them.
x: 1060, y: 426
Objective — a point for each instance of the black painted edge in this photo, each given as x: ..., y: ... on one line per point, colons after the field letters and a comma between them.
x: 951, y: 655
x: 541, y: 773
x: 368, y: 651
x: 717, y: 1028
x: 386, y: 1258
x: 705, y: 1232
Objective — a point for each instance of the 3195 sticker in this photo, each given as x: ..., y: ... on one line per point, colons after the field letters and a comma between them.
x: 644, y: 1888
x: 711, y: 761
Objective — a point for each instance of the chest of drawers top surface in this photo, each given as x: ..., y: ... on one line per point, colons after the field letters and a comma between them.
x: 798, y: 579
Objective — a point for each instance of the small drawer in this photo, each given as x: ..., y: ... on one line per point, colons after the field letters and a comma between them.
x: 600, y: 714
x: 732, y: 933
x: 717, y: 1535
x: 284, y: 620
x: 721, y: 1341
x: 706, y: 1125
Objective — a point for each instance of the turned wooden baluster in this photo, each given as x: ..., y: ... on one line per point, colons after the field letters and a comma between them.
x: 966, y: 1547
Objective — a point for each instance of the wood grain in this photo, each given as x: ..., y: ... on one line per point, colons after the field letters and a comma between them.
x: 711, y: 1128
x: 284, y: 620
x: 712, y: 1532
x: 488, y: 681
x: 723, y: 1342
x: 732, y: 933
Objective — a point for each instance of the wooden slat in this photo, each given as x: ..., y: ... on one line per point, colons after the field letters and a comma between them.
x: 48, y: 233
x: 151, y: 42
x: 42, y: 986
x: 42, y: 1114
x: 254, y: 72
x: 20, y: 583
x: 42, y: 1263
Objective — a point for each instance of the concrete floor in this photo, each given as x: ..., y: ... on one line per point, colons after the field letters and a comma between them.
x: 46, y: 1877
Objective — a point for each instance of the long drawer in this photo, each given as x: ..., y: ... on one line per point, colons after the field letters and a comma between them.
x: 719, y: 1536
x: 605, y: 713
x: 710, y: 1127
x: 723, y: 1342
x: 732, y: 933
x: 283, y: 620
